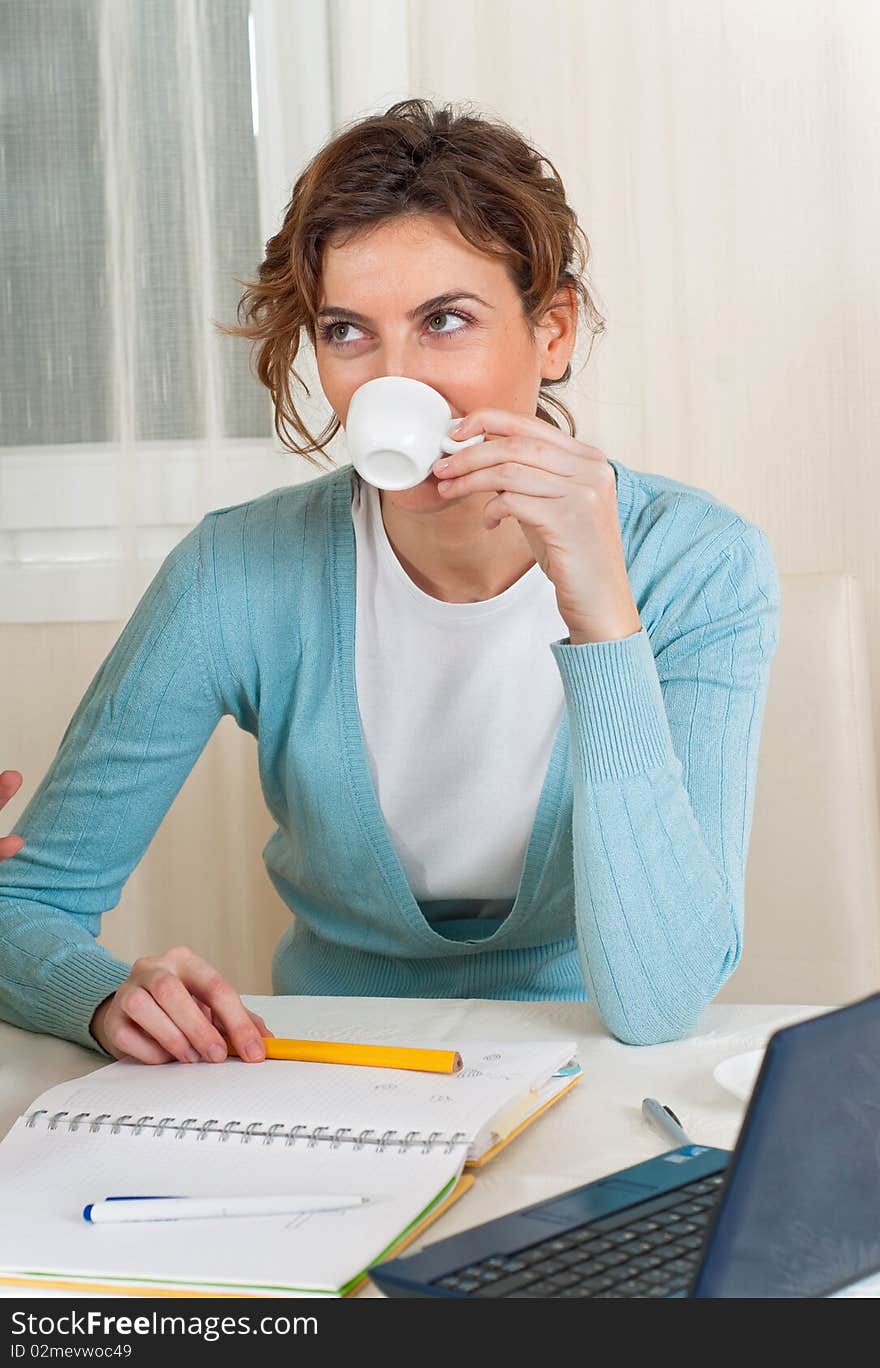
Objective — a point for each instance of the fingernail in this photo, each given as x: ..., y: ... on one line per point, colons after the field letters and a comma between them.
x: 441, y: 465
x: 216, y: 1053
x: 193, y: 1056
x: 253, y: 1050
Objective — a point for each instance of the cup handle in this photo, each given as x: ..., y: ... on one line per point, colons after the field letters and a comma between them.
x: 450, y: 445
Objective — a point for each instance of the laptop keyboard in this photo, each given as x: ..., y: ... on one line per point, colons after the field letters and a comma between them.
x: 650, y: 1250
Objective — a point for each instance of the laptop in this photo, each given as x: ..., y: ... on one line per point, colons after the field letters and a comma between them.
x: 792, y: 1211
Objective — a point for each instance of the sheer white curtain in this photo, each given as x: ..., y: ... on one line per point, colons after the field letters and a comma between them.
x: 147, y: 150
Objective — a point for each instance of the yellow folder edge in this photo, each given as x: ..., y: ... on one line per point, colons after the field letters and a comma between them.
x: 527, y: 1121
x: 465, y: 1181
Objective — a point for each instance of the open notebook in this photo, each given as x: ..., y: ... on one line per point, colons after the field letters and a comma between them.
x: 398, y: 1137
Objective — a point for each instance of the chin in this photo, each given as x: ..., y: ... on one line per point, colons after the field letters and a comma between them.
x: 421, y: 496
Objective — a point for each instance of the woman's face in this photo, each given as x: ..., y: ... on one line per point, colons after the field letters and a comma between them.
x: 477, y: 352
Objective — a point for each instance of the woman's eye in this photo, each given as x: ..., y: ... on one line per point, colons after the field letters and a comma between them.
x: 333, y: 333
x: 446, y: 315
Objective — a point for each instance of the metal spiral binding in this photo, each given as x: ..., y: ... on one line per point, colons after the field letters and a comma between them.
x: 342, y: 1135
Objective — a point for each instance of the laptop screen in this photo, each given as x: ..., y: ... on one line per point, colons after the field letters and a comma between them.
x: 800, y: 1212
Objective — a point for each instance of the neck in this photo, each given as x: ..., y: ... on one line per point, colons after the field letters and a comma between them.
x: 451, y: 554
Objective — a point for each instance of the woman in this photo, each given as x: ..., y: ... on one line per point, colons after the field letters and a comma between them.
x: 507, y: 720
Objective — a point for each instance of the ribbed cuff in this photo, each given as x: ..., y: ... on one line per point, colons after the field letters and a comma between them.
x: 615, y: 705
x: 80, y: 981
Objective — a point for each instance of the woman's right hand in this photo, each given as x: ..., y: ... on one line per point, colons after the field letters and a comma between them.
x: 10, y: 783
x: 177, y: 1006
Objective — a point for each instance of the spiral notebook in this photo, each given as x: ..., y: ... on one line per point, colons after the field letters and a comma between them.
x: 402, y: 1139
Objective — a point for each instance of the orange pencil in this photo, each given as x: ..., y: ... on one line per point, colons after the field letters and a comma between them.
x: 372, y: 1056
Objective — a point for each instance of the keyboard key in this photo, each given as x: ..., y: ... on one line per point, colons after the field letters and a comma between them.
x: 585, y: 1234
x: 635, y: 1287
x: 549, y: 1266
x: 696, y: 1208
x: 658, y: 1275
x: 561, y: 1280
x: 557, y: 1245
x: 597, y: 1285
x: 660, y: 1240
x: 539, y: 1289
x: 591, y: 1266
x: 508, y: 1287
x: 681, y: 1266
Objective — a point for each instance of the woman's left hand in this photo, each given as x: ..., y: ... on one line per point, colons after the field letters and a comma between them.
x: 563, y: 494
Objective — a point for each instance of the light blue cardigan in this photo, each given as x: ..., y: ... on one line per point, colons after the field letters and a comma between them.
x: 631, y: 893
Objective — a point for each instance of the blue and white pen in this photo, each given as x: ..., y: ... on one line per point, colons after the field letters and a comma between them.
x: 116, y: 1209
x: 664, y: 1120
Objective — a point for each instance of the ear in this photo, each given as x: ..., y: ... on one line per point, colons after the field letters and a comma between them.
x: 556, y: 333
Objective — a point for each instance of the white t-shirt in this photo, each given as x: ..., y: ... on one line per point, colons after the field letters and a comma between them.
x: 460, y: 704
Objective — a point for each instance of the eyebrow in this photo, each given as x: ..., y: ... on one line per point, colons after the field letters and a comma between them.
x: 438, y: 302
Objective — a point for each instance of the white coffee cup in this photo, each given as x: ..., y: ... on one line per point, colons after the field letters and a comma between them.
x: 396, y: 428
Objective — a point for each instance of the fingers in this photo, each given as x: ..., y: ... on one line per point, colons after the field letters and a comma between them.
x: 510, y: 476
x: 129, y: 1042
x: 142, y: 1009
x: 9, y: 846
x: 229, y: 1013
x: 260, y: 1024
x: 185, y: 1008
x: 10, y: 783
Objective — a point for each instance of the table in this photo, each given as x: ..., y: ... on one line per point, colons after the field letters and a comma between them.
x: 597, y: 1128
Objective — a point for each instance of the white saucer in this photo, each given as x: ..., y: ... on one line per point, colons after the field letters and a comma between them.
x: 738, y: 1073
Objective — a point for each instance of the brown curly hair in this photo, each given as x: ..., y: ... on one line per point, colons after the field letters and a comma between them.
x: 413, y: 159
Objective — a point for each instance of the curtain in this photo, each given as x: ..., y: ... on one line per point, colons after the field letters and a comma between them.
x: 148, y: 148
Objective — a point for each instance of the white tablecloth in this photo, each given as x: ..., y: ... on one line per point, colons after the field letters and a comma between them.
x: 597, y: 1128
